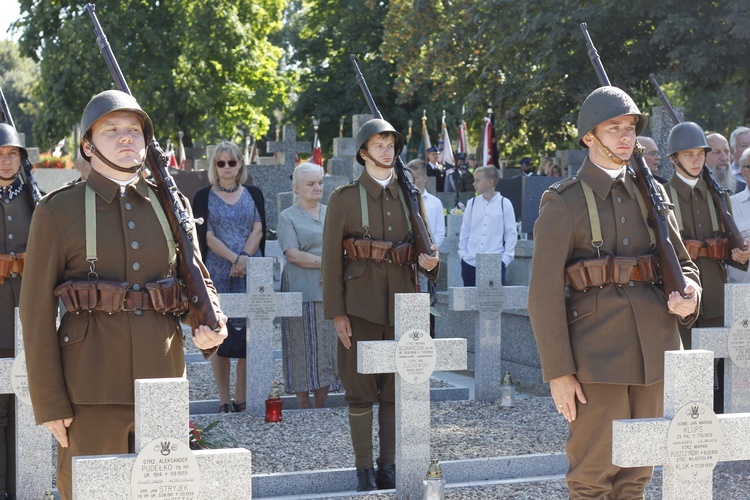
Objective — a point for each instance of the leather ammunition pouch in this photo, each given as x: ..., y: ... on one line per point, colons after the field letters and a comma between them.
x: 366, y: 249
x: 712, y: 248
x: 590, y: 273
x: 11, y: 265
x: 164, y: 296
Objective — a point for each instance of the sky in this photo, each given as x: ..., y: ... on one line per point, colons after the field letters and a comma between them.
x: 9, y: 12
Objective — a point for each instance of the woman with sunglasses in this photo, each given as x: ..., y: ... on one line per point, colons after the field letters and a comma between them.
x: 233, y: 230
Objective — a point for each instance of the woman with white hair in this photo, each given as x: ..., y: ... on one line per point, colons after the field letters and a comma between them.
x: 234, y: 230
x: 308, y: 342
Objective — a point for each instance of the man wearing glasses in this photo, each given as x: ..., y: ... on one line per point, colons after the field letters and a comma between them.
x: 651, y: 155
x: 741, y: 213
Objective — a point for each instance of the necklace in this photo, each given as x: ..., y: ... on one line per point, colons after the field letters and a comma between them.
x: 230, y: 190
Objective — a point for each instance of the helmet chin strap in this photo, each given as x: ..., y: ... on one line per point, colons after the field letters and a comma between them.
x: 683, y: 170
x: 604, y: 149
x: 377, y: 163
x: 11, y: 178
x: 127, y: 170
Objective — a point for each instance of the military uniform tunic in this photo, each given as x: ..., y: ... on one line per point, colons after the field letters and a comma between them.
x: 15, y: 219
x: 94, y: 358
x: 696, y: 225
x: 612, y: 338
x: 357, y: 288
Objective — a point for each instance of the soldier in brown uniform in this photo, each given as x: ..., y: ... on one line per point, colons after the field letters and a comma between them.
x: 16, y: 207
x: 699, y: 225
x: 601, y: 340
x: 102, y: 236
x: 359, y: 288
x: 701, y: 231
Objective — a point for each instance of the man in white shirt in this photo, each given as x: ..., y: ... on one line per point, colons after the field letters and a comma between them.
x: 489, y: 225
x: 739, y: 141
x: 741, y: 215
x: 433, y: 208
x: 432, y: 205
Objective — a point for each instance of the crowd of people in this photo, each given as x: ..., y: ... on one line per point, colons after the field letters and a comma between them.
x: 103, y: 248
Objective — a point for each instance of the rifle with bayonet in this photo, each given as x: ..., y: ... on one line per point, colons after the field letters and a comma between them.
x: 422, y: 238
x: 181, y: 224
x: 657, y: 206
x: 27, y: 169
x: 718, y: 194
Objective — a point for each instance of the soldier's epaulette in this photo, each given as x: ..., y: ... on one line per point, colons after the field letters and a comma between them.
x: 346, y: 186
x: 564, y: 184
x: 62, y: 188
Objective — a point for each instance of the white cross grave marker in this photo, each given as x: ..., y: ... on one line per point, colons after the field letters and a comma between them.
x: 412, y: 314
x: 736, y: 360
x: 161, y: 412
x: 34, y: 466
x: 688, y: 387
x: 261, y: 304
x: 489, y: 299
x: 288, y: 147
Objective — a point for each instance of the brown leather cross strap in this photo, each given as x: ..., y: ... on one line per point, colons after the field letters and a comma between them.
x: 590, y: 273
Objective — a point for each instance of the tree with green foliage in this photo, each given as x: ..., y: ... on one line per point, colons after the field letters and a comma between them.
x: 529, y: 62
x: 18, y: 76
x: 205, y: 68
x: 320, y: 36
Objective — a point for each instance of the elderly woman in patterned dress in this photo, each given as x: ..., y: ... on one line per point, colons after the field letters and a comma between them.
x: 233, y: 231
x: 308, y: 342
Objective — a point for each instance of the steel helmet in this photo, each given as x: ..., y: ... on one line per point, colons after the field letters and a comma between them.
x: 108, y: 102
x: 604, y: 104
x: 686, y: 135
x: 9, y: 137
x: 374, y: 127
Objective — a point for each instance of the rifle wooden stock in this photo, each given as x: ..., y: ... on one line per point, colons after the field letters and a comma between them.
x: 27, y: 169
x: 657, y: 206
x: 422, y: 237
x: 718, y: 194
x: 199, y: 302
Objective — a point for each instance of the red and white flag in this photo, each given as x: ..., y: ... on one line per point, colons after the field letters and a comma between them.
x: 317, y: 155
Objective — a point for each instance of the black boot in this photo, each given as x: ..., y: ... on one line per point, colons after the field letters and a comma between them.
x: 366, y: 479
x: 386, y: 476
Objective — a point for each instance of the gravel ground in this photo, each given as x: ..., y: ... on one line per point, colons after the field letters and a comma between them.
x: 319, y: 439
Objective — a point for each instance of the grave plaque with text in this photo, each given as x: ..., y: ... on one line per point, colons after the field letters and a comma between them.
x: 165, y: 468
x: 694, y: 441
x: 415, y: 356
x: 19, y: 379
x: 739, y: 343
x: 490, y: 298
x: 262, y: 304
